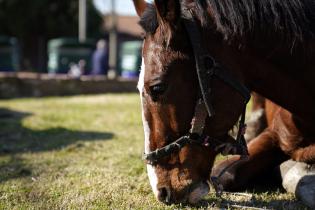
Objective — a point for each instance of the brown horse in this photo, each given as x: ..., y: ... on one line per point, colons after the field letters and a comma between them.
x: 266, y: 46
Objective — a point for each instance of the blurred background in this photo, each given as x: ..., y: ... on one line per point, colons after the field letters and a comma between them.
x: 57, y: 47
x: 71, y: 134
x: 42, y: 39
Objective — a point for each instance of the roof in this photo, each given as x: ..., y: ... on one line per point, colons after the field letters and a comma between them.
x: 126, y: 24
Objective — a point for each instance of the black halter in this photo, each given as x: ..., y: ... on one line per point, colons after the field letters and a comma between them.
x: 207, y: 69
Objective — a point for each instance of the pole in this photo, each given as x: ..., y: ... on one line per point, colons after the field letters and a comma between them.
x: 82, y: 20
x: 113, y: 39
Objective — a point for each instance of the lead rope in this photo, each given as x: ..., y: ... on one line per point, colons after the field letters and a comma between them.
x: 240, y: 135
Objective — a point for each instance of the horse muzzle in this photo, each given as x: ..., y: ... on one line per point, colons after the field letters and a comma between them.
x: 192, y: 194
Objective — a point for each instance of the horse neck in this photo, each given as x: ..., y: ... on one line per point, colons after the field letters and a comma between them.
x: 284, y: 79
x: 278, y: 76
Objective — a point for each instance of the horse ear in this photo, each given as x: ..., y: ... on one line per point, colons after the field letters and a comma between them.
x: 140, y: 6
x: 168, y: 10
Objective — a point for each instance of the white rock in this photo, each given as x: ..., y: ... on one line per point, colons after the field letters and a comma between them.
x: 299, y: 178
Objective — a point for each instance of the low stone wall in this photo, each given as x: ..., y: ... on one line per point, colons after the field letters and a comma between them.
x: 13, y: 85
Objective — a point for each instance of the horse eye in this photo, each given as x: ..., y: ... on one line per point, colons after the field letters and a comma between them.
x: 157, y: 90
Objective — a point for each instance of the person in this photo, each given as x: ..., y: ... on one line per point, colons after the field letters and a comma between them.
x: 100, y: 59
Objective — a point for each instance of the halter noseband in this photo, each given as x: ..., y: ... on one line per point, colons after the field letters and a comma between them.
x: 207, y: 69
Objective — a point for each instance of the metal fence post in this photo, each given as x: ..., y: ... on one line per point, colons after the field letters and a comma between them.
x: 82, y: 20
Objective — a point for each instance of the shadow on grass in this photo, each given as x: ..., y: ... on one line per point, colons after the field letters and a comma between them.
x: 15, y: 140
x: 253, y: 203
x: 255, y: 196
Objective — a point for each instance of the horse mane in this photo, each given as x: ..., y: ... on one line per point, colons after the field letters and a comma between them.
x: 289, y: 19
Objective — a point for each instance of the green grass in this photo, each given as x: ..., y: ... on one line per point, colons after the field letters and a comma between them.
x: 85, y: 153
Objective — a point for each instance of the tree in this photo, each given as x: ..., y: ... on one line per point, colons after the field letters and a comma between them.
x: 34, y: 22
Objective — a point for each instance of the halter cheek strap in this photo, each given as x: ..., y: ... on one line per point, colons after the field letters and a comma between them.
x: 199, y: 120
x: 196, y: 136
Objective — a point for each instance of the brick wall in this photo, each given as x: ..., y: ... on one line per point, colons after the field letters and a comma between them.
x: 13, y: 85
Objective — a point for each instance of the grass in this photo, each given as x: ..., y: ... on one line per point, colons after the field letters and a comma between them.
x: 85, y: 153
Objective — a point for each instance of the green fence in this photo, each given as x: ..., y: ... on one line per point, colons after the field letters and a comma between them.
x: 66, y: 51
x: 130, y: 59
x: 9, y: 54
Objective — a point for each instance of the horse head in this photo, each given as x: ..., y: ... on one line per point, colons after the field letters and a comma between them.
x: 173, y: 99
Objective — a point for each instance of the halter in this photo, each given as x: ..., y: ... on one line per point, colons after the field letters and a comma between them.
x: 207, y: 69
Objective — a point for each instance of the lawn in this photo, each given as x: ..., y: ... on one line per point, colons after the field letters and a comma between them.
x: 85, y: 153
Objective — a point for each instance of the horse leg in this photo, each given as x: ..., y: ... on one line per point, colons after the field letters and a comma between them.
x: 264, y: 153
x: 306, y: 154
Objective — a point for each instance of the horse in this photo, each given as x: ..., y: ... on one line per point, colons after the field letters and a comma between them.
x: 200, y: 60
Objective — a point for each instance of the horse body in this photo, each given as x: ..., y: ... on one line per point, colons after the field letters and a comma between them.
x: 266, y: 45
x: 287, y: 85
x: 283, y: 138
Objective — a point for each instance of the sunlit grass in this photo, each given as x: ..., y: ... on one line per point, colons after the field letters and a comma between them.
x: 84, y: 153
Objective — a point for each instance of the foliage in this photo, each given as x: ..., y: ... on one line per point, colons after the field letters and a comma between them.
x: 34, y: 22
x: 47, y: 18
x: 85, y: 153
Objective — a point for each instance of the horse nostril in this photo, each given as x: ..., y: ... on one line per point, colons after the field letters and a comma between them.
x: 164, y: 195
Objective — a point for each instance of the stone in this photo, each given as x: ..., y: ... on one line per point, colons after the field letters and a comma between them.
x: 290, y: 175
x: 299, y: 178
x: 286, y: 166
